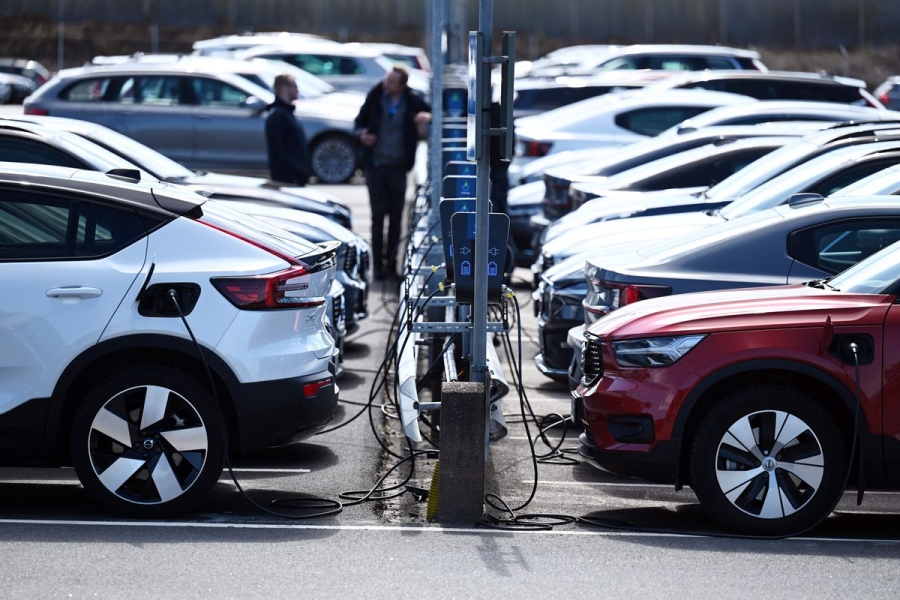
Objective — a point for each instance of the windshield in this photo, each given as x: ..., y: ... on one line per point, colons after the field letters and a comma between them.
x: 883, y: 182
x: 760, y: 171
x: 146, y: 158
x: 709, y: 236
x: 874, y: 275
x: 96, y: 156
x: 820, y: 171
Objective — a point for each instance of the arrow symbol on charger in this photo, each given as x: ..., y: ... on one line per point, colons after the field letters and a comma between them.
x: 465, y: 250
x: 493, y: 251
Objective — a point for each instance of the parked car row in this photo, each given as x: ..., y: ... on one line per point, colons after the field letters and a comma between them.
x: 631, y: 282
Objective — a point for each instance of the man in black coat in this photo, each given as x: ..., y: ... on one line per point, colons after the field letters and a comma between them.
x: 386, y: 125
x: 285, y: 140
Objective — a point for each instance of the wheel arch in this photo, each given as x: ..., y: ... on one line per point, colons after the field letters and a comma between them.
x: 834, y: 396
x: 105, y: 358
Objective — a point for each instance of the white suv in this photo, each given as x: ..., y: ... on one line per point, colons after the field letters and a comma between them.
x: 98, y: 369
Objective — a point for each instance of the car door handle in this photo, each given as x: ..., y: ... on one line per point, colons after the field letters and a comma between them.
x: 74, y: 291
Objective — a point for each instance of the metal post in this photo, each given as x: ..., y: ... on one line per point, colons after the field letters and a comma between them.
x: 482, y: 193
x: 60, y: 35
x: 154, y: 38
x: 435, y: 167
x: 723, y: 21
x: 862, y: 24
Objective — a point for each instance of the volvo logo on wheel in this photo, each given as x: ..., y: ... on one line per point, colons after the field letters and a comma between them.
x: 148, y: 444
x: 769, y: 463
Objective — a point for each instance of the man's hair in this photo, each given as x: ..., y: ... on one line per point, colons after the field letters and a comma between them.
x: 403, y: 71
x: 282, y: 81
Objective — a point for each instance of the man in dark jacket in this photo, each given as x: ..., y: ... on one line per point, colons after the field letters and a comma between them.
x: 285, y: 140
x: 387, y: 130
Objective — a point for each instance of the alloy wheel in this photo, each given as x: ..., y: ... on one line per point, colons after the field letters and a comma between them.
x: 769, y: 464
x: 334, y: 159
x: 148, y: 445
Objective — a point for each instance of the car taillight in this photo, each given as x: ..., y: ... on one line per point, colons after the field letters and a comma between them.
x: 884, y: 98
x: 535, y: 149
x: 311, y: 389
x: 629, y: 294
x: 260, y: 292
x: 34, y: 110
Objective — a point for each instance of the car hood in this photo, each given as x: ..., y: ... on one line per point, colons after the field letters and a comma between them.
x: 528, y: 194
x: 256, y: 187
x: 745, y: 309
x: 634, y: 233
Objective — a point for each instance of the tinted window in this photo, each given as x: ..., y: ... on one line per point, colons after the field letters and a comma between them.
x: 87, y: 90
x: 322, y: 64
x: 836, y: 246
x: 43, y: 227
x: 839, y: 181
x: 212, y: 92
x: 707, y: 173
x: 13, y: 149
x: 655, y: 120
x: 550, y: 98
x: 717, y: 62
x: 156, y: 90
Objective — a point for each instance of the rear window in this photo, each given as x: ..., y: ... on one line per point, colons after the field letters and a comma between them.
x: 550, y: 98
x: 321, y: 64
x: 255, y: 230
x: 654, y: 120
x: 87, y: 90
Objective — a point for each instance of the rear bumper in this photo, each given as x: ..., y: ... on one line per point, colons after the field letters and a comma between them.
x: 277, y: 412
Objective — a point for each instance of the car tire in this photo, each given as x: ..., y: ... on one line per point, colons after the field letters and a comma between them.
x: 148, y: 442
x: 747, y: 489
x: 334, y: 158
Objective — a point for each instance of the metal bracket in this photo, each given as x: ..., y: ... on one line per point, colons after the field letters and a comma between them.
x: 438, y: 327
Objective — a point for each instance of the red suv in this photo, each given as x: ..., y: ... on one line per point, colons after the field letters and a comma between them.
x: 750, y: 396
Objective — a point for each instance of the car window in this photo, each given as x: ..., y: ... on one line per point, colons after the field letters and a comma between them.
x: 87, y: 90
x: 153, y: 90
x: 34, y: 226
x: 836, y: 246
x: 323, y: 64
x: 705, y: 173
x: 718, y: 62
x: 839, y: 181
x: 215, y: 93
x: 672, y: 63
x: 654, y: 120
x: 620, y: 64
x: 19, y: 150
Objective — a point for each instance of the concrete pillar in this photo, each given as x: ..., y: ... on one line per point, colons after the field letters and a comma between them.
x: 461, y: 479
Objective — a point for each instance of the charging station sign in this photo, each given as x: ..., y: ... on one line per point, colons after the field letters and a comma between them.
x: 463, y: 228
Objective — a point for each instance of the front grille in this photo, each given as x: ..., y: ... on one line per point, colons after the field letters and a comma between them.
x: 591, y: 361
x: 546, y: 297
x: 546, y: 261
x: 555, y: 347
x: 339, y: 311
x: 364, y: 263
x: 351, y: 260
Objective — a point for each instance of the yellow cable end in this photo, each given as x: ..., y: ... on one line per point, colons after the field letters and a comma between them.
x: 441, y: 285
x: 434, y: 268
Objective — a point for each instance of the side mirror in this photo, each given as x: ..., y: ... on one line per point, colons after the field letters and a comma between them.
x: 255, y: 104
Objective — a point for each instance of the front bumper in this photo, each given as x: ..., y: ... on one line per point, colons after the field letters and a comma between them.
x: 659, y: 464
x: 277, y: 412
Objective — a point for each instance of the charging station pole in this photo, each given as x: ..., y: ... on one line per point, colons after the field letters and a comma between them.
x: 437, y: 22
x: 482, y: 194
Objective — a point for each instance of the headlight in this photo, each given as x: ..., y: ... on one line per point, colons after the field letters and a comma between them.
x: 654, y: 352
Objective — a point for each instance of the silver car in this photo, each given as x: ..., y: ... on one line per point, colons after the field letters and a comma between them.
x: 205, y: 113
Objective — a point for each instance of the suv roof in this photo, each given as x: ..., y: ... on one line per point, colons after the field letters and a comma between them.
x: 116, y: 186
x: 168, y: 64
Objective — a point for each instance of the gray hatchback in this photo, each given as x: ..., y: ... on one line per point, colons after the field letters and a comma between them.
x: 204, y: 113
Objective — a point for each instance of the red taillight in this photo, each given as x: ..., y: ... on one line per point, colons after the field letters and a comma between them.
x: 34, y: 110
x: 884, y: 99
x: 262, y: 292
x: 311, y: 389
x: 536, y: 148
x: 629, y: 295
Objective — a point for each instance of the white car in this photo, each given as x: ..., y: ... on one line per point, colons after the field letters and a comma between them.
x: 612, y: 120
x: 100, y: 371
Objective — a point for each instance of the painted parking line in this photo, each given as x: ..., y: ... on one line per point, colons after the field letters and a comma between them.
x: 406, y: 529
x: 602, y: 484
